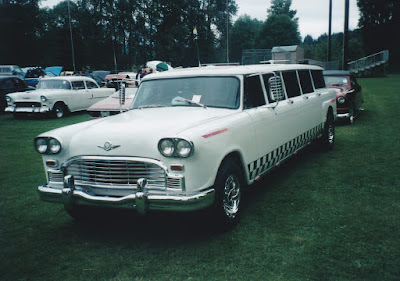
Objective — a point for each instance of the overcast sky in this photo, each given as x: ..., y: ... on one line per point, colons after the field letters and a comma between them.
x: 313, y: 14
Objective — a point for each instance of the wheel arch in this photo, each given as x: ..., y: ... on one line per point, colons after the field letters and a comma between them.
x: 60, y: 103
x: 237, y: 158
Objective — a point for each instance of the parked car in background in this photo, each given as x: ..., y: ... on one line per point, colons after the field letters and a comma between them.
x: 192, y: 140
x: 52, y: 71
x: 11, y: 70
x: 33, y: 75
x: 100, y: 73
x: 115, y: 80
x: 349, y: 98
x: 111, y: 105
x: 11, y: 84
x: 57, y: 95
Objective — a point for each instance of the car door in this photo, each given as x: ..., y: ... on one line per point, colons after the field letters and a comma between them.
x: 96, y: 92
x: 80, y: 98
x: 312, y: 105
x: 269, y: 121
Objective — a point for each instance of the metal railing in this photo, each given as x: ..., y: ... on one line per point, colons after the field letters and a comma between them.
x: 369, y: 61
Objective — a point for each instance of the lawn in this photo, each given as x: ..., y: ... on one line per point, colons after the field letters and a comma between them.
x: 321, y: 216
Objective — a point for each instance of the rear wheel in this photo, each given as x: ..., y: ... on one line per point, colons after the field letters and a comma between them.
x: 327, y: 140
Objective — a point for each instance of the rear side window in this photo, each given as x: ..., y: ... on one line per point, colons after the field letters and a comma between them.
x: 305, y: 81
x: 91, y: 85
x: 291, y: 84
x: 78, y: 85
x: 318, y: 79
x: 253, y: 93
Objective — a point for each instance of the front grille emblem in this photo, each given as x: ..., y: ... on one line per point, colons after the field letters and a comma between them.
x: 108, y: 146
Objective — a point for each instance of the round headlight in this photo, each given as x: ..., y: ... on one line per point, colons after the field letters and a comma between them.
x: 41, y: 145
x: 43, y: 98
x: 54, y: 146
x: 341, y: 100
x: 184, y: 148
x: 166, y: 147
x: 8, y: 99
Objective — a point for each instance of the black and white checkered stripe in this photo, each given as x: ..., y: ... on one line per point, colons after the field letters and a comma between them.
x: 269, y: 160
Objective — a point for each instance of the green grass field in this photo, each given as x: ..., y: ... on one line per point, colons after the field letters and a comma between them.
x: 321, y: 216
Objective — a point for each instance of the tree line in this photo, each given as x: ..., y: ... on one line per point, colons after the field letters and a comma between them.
x: 124, y: 34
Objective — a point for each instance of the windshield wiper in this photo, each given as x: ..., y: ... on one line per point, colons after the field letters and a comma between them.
x: 177, y: 100
x: 152, y: 106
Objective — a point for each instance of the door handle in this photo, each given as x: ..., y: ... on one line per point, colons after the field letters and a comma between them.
x: 305, y: 97
x: 318, y: 94
x: 290, y: 101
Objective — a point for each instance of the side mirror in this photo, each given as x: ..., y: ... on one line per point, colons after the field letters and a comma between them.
x: 276, y: 92
x: 122, y: 94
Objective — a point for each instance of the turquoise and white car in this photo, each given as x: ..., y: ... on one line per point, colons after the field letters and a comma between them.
x: 58, y: 96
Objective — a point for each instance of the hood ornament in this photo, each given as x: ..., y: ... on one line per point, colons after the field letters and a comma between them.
x: 108, y: 146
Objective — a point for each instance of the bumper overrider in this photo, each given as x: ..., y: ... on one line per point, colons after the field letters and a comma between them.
x: 141, y: 200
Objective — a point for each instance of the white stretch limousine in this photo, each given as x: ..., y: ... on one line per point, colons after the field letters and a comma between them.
x: 58, y: 95
x: 192, y: 139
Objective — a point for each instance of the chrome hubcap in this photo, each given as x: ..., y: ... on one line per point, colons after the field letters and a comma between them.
x: 231, y: 196
x: 331, y: 134
x: 59, y: 113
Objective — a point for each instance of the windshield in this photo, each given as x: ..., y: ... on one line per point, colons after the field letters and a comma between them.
x: 53, y: 84
x: 336, y: 80
x: 220, y: 92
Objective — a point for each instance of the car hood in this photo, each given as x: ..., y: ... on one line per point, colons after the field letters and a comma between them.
x: 55, y: 69
x: 137, y: 132
x: 34, y: 94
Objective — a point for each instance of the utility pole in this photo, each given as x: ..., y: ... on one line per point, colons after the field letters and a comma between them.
x: 72, y: 42
x: 227, y: 31
x: 330, y: 32
x: 346, y: 35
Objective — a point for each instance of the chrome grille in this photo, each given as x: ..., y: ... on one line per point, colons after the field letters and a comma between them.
x: 28, y: 104
x: 118, y: 173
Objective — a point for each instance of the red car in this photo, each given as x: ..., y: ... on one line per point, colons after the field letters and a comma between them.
x: 349, y: 99
x: 110, y: 106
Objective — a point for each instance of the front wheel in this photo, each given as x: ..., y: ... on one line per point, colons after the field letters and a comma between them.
x: 59, y: 110
x: 228, y: 192
x: 351, y: 114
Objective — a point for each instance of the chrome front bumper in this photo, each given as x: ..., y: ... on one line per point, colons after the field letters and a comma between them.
x: 14, y: 109
x: 343, y: 115
x: 141, y: 201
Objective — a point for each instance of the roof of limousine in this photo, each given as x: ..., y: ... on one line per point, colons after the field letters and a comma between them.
x: 228, y: 70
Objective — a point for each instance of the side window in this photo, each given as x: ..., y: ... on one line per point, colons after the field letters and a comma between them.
x: 78, y: 85
x: 318, y: 79
x: 273, y: 85
x: 305, y: 81
x: 253, y: 93
x: 91, y: 85
x: 291, y: 84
